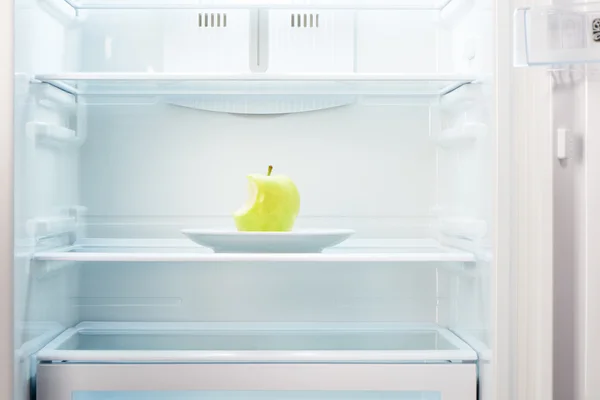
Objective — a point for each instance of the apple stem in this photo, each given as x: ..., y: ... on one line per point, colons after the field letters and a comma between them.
x: 270, y: 170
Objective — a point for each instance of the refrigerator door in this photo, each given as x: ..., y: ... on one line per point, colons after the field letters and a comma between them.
x: 563, y: 41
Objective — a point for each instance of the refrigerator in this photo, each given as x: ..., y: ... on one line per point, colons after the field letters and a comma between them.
x: 443, y: 236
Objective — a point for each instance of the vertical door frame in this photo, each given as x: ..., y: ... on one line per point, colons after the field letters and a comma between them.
x: 6, y: 199
x: 523, y: 271
x: 587, y: 376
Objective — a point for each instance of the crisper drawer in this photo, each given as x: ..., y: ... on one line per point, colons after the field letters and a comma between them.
x: 233, y: 361
x: 256, y: 382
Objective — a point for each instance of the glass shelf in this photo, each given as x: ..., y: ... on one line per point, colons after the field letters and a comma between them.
x: 271, y: 4
x: 119, y: 342
x: 357, y: 250
x: 256, y: 84
x: 555, y: 35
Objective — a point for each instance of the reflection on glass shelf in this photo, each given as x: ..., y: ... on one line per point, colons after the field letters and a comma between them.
x: 257, y: 342
x: 552, y: 35
x: 356, y: 250
x: 261, y: 84
x: 255, y: 395
x: 272, y: 4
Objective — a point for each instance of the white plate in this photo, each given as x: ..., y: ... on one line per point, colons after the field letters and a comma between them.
x: 268, y: 242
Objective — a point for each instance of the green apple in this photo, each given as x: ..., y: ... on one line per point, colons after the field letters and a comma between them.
x: 272, y: 206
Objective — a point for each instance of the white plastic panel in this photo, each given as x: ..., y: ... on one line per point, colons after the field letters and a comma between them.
x: 465, y: 181
x: 258, y: 291
x: 344, y: 4
x: 465, y: 134
x: 51, y: 134
x: 557, y: 35
x: 453, y: 382
x: 169, y: 41
x: 304, y: 41
x: 46, y: 38
x: 468, y: 189
x: 203, y: 42
x: 392, y: 41
x: 284, y: 39
x: 45, y: 177
x: 465, y: 205
x: 50, y: 161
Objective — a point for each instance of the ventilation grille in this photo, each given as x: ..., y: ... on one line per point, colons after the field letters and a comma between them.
x: 212, y: 20
x: 304, y: 20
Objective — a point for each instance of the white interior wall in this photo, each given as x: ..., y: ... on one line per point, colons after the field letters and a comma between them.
x: 465, y: 167
x: 46, y: 187
x: 45, y: 180
x: 46, y: 37
x: 45, y: 176
x: 261, y: 292
x: 403, y: 41
x: 467, y: 184
x: 149, y: 171
x: 368, y: 168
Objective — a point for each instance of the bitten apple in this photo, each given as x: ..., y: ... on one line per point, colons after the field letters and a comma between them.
x: 272, y: 206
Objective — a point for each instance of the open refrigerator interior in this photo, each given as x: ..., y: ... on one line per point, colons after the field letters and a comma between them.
x: 136, y: 119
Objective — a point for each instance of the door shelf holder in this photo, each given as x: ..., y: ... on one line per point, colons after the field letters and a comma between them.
x: 550, y: 36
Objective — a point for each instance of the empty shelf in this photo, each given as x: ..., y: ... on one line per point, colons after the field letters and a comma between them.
x: 554, y: 35
x: 120, y: 342
x: 271, y: 4
x: 103, y: 250
x: 255, y: 84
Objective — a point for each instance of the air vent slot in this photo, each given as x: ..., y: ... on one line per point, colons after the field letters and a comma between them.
x: 304, y: 20
x: 212, y: 20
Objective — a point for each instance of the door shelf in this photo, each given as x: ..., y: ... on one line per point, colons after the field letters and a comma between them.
x: 270, y: 4
x: 119, y: 342
x: 555, y: 35
x: 356, y: 251
x: 116, y: 84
